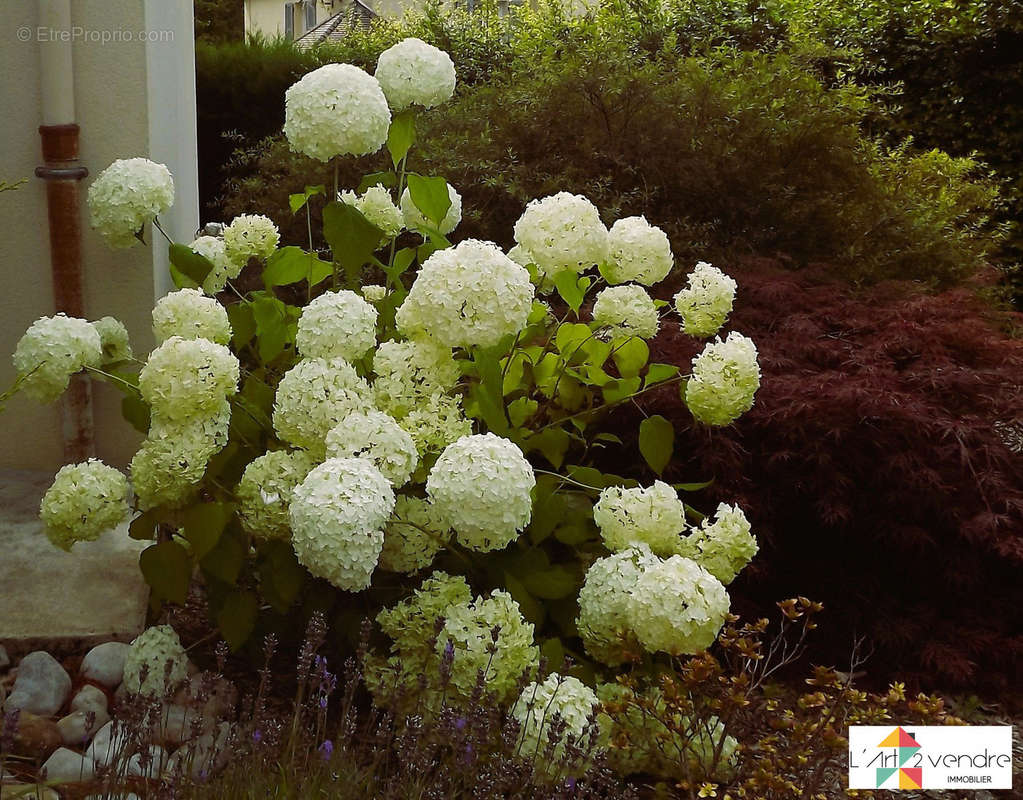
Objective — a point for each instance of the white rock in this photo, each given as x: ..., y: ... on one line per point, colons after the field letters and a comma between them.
x: 155, y: 763
x: 221, y: 696
x: 108, y: 745
x: 5, y: 660
x: 65, y: 766
x: 203, y: 757
x: 105, y: 663
x: 42, y: 685
x: 89, y: 698
x: 175, y: 725
x: 75, y: 730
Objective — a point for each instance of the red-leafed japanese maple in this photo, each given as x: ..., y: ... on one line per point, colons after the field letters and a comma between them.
x: 880, y: 467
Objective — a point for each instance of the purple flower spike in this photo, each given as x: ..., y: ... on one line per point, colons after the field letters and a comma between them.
x: 327, y: 749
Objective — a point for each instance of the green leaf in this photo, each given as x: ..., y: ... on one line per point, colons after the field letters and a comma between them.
x: 271, y: 317
x: 430, y: 196
x: 297, y: 201
x: 189, y: 263
x: 551, y: 584
x: 203, y: 524
x: 553, y: 443
x: 574, y: 533
x: 692, y: 487
x: 656, y: 442
x: 237, y: 618
x: 136, y: 411
x: 571, y: 288
x: 618, y: 390
x: 225, y: 560
x: 488, y: 393
x: 243, y: 324
x: 554, y: 651
x: 570, y: 338
x: 280, y: 575
x: 548, y: 509
x: 660, y: 372
x: 521, y: 409
x: 401, y: 136
x: 166, y: 568
x: 386, y: 179
x: 291, y: 265
x: 144, y: 525
x: 631, y: 356
x: 528, y: 605
x: 352, y: 238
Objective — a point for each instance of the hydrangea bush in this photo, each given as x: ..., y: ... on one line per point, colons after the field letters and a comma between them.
x: 428, y: 428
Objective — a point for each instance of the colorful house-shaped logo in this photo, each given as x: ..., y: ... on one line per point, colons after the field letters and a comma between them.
x: 906, y: 746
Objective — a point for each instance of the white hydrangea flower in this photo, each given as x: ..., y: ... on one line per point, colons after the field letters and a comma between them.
x: 725, y: 379
x: 378, y: 438
x: 414, y: 536
x: 83, y: 501
x: 409, y: 372
x: 470, y: 628
x: 313, y: 397
x: 265, y: 490
x: 722, y: 547
x: 158, y: 653
x: 414, y: 72
x: 214, y: 250
x: 625, y: 311
x: 51, y: 351
x: 435, y: 423
x: 249, y: 236
x: 677, y: 607
x: 559, y: 696
x: 481, y: 486
x: 126, y: 195
x: 114, y: 340
x: 562, y: 232
x: 373, y: 292
x: 520, y: 255
x: 469, y: 295
x: 190, y: 314
x: 706, y: 301
x: 654, y: 516
x: 416, y: 220
x: 337, y: 516
x: 377, y: 206
x: 337, y: 325
x: 637, y: 251
x: 336, y: 110
x: 605, y: 603
x: 173, y: 458
x: 186, y: 378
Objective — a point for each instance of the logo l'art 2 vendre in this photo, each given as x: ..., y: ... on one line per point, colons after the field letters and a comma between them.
x: 930, y: 757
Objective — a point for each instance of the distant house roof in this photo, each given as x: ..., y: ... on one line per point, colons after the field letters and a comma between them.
x: 335, y: 28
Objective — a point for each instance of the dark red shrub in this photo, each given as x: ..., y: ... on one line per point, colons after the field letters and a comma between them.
x: 878, y: 468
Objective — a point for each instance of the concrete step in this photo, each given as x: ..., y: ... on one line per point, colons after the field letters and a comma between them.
x: 54, y: 600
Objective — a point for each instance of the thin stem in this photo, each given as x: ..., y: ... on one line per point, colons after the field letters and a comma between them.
x: 239, y: 294
x: 619, y: 401
x: 566, y: 479
x: 309, y: 225
x: 112, y: 377
x: 159, y: 227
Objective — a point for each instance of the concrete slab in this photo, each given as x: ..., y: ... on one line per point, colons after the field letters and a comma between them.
x: 54, y: 600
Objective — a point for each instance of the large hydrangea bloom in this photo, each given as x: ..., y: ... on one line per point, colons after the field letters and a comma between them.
x: 677, y: 607
x: 214, y: 250
x: 313, y: 397
x: 637, y: 251
x: 249, y: 236
x: 190, y: 314
x: 265, y: 490
x: 706, y: 301
x: 654, y: 516
x: 409, y: 372
x: 376, y: 205
x: 413, y: 72
x: 723, y: 546
x: 337, y: 516
x: 375, y: 436
x: 481, y: 486
x: 114, y: 340
x: 414, y: 536
x: 337, y: 325
x: 562, y: 232
x: 186, y: 378
x: 415, y: 220
x: 83, y: 501
x: 625, y: 311
x: 126, y: 195
x: 559, y: 696
x: 51, y: 351
x: 156, y: 662
x: 336, y: 110
x: 469, y: 295
x: 725, y: 378
x: 435, y: 423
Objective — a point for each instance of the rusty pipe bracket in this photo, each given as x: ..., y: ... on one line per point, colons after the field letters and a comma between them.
x: 61, y: 173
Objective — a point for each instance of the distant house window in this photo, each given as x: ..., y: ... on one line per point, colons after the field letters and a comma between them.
x: 310, y: 14
x: 289, y: 20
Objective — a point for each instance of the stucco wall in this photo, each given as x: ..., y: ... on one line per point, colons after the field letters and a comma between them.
x: 112, y: 91
x: 267, y: 16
